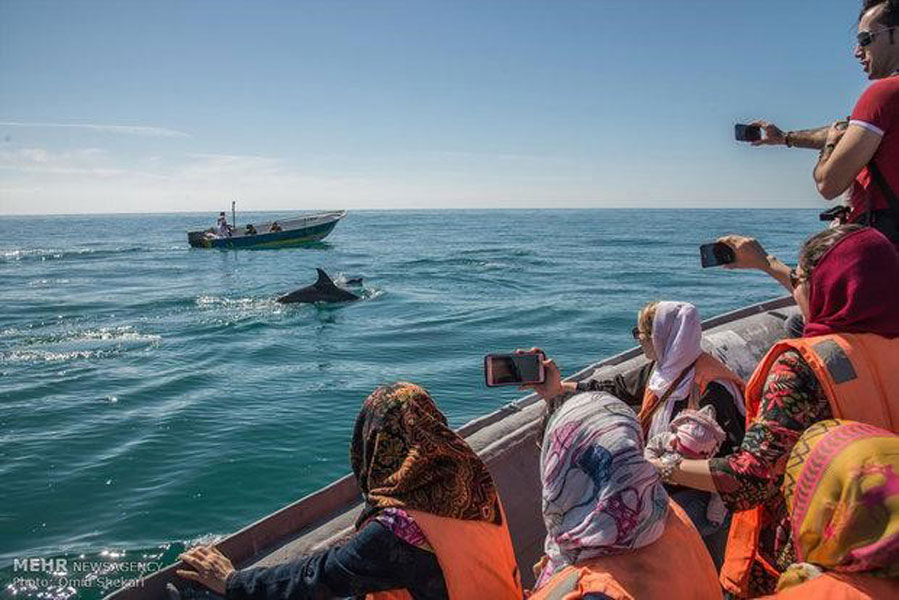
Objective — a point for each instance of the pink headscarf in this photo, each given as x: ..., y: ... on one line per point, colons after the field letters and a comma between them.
x: 855, y: 287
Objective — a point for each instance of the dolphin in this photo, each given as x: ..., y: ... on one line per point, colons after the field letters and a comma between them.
x: 323, y: 290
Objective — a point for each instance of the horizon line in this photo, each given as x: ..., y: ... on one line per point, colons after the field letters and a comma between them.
x: 436, y: 209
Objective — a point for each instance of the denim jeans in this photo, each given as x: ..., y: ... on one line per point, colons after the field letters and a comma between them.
x: 714, y: 536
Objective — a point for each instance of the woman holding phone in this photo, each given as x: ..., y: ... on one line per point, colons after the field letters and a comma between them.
x: 611, y: 530
x: 845, y: 366
x: 680, y: 376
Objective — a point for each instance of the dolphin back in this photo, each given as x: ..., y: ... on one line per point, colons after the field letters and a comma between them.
x: 326, y: 286
x: 323, y: 290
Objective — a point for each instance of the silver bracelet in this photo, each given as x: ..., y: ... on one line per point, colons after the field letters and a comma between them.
x: 669, y: 463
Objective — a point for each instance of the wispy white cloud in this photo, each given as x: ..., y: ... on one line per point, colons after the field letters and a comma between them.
x: 39, y: 180
x: 90, y: 162
x: 42, y: 180
x: 140, y: 130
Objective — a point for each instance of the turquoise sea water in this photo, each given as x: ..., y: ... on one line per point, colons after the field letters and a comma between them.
x: 153, y: 395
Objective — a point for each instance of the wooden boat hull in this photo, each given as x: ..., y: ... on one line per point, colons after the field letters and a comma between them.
x: 309, y: 229
x: 505, y: 439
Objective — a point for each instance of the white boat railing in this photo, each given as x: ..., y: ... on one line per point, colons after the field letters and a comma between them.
x: 289, y: 224
x: 301, y: 221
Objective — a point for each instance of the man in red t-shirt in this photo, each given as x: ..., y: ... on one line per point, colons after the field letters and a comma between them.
x: 872, y: 134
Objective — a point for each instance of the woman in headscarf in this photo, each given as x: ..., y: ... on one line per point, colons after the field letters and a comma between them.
x: 684, y: 377
x: 611, y: 530
x: 680, y: 376
x: 841, y: 488
x: 432, y: 526
x: 845, y: 366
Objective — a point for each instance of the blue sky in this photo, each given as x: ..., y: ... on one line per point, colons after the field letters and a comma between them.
x: 184, y: 106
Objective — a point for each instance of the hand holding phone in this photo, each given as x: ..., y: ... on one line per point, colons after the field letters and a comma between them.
x: 716, y: 254
x: 747, y: 133
x: 524, y: 368
x: 748, y: 253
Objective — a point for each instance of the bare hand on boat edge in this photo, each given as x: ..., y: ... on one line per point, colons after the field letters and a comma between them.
x: 212, y: 568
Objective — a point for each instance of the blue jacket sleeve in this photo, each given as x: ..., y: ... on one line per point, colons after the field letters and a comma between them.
x: 373, y: 560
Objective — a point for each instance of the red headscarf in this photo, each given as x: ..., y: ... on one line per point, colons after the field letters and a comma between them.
x: 855, y: 287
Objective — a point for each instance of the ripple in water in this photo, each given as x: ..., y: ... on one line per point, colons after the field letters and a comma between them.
x: 173, y: 374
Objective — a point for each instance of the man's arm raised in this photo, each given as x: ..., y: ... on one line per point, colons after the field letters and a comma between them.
x: 803, y: 138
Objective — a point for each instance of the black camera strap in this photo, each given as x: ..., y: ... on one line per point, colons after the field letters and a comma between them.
x: 881, y: 182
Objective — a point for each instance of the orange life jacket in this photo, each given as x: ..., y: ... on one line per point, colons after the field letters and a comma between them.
x: 675, y: 566
x: 476, y: 558
x: 859, y: 374
x: 842, y: 586
x: 708, y: 369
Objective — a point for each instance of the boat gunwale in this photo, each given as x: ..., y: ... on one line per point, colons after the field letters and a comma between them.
x: 341, y: 495
x: 479, y: 423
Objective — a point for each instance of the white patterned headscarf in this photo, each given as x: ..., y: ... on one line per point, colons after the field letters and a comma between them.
x: 676, y: 339
x: 600, y: 496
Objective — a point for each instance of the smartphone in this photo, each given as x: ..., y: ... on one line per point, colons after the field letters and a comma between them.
x: 715, y: 254
x: 514, y: 369
x: 747, y: 133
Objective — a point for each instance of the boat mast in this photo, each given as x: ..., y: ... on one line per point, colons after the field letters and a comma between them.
x: 233, y: 215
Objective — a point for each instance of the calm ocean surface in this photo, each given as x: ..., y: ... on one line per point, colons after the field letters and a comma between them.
x: 152, y: 395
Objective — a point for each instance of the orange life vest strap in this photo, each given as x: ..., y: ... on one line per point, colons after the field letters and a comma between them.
x: 842, y: 586
x: 651, y: 401
x: 476, y: 558
x: 708, y: 369
x: 390, y: 595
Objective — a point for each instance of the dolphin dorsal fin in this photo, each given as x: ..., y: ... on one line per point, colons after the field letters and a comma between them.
x: 323, y: 279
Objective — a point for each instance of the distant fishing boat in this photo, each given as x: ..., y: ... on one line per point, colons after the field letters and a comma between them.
x: 272, y: 234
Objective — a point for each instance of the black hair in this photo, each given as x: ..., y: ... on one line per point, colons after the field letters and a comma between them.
x: 890, y: 16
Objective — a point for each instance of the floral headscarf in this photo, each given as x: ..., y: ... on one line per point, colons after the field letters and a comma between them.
x: 600, y: 496
x: 842, y: 490
x: 404, y: 455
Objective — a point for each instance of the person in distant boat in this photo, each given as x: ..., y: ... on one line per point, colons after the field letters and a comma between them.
x: 432, y: 525
x: 275, y: 227
x: 223, y: 229
x: 861, y: 154
x: 841, y: 488
x: 680, y: 376
x: 611, y: 530
x: 845, y: 366
x: 250, y: 229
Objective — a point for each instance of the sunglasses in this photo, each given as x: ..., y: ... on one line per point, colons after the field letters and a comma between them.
x: 866, y: 38
x: 636, y: 333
